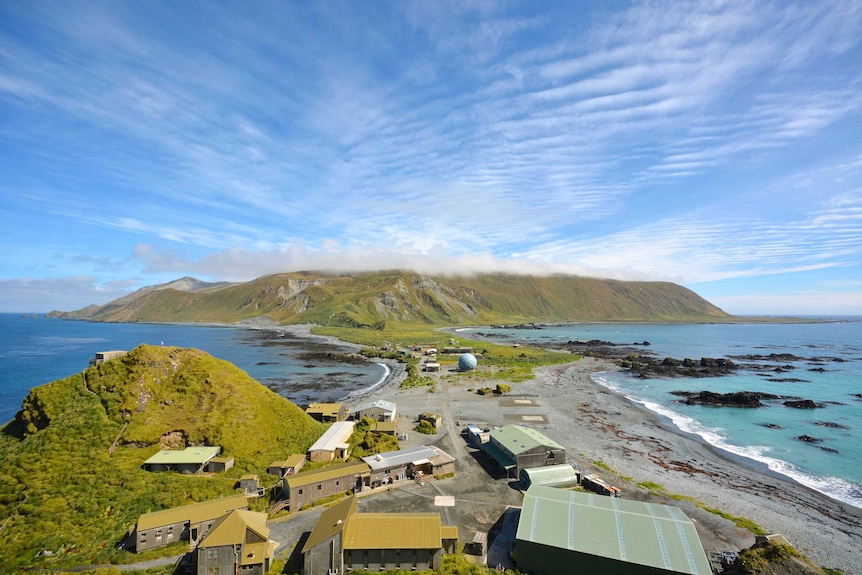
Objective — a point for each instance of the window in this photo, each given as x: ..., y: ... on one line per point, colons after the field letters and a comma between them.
x: 299, y: 492
x: 337, y: 482
x: 319, y: 486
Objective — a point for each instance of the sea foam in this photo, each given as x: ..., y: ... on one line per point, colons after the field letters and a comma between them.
x: 834, y: 487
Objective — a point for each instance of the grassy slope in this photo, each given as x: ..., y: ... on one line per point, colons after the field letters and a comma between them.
x: 372, y: 298
x: 63, y: 492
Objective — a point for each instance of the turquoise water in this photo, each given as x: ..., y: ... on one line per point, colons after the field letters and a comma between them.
x: 832, y: 464
x: 34, y: 351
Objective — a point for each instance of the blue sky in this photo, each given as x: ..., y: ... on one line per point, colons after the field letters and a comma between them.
x: 717, y: 145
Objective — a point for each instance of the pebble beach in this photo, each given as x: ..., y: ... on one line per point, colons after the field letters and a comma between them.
x: 627, y: 445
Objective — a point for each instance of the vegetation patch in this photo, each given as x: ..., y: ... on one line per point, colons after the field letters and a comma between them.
x: 67, y: 501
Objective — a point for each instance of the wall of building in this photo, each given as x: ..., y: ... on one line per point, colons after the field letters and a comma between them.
x: 307, y: 494
x: 375, y: 413
x: 539, y: 559
x: 384, y: 559
x: 160, y: 536
x: 323, y: 558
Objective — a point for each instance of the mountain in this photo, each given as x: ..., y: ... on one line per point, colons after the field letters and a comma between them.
x: 67, y: 497
x: 371, y: 299
x: 185, y: 284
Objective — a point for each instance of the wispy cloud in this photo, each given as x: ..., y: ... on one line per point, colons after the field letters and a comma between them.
x: 635, y: 141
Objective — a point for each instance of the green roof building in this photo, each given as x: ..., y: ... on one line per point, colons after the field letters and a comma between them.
x: 188, y: 460
x: 564, y: 531
x: 514, y: 447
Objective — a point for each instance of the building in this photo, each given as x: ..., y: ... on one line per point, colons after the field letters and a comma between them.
x: 238, y: 542
x: 598, y: 485
x: 250, y: 483
x: 333, y: 442
x: 186, y: 523
x: 431, y: 366
x: 328, y: 412
x: 344, y: 540
x: 287, y: 467
x: 563, y: 475
x: 380, y: 410
x: 188, y: 460
x: 562, y: 531
x: 514, y: 447
x: 384, y: 427
x: 220, y: 464
x: 305, y: 488
x: 423, y: 460
x: 103, y: 356
x: 476, y: 436
x: 457, y: 350
x: 435, y: 419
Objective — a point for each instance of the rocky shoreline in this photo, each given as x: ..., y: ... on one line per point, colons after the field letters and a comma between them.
x: 641, y: 448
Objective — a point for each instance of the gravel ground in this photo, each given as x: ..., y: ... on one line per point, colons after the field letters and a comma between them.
x: 596, y: 425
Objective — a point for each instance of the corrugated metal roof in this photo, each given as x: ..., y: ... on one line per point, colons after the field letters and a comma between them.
x: 326, y: 473
x: 381, y: 403
x: 393, y: 531
x: 231, y: 529
x: 650, y: 534
x: 194, y: 512
x: 518, y: 439
x: 198, y: 455
x: 551, y: 475
x: 390, y: 459
x: 334, y: 437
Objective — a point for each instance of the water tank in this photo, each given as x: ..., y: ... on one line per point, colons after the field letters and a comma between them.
x: 467, y: 362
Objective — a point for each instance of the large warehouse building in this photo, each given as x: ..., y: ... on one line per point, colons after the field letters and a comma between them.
x: 562, y: 531
x: 514, y: 447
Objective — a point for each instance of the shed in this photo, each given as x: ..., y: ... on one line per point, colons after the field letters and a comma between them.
x: 188, y: 460
x: 333, y: 442
x: 559, y: 528
x: 328, y: 412
x: 288, y: 466
x: 220, y: 464
x: 563, y: 475
x: 379, y: 410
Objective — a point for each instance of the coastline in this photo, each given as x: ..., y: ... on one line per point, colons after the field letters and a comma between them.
x: 603, y: 430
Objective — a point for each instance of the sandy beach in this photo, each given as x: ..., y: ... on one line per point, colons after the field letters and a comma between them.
x: 596, y: 425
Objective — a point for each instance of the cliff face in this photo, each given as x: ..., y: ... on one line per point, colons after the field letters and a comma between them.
x: 371, y: 299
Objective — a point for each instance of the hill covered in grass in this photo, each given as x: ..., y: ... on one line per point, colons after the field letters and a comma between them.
x: 372, y: 299
x: 66, y: 500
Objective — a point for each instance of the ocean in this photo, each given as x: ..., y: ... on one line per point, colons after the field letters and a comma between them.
x: 38, y: 350
x: 829, y: 372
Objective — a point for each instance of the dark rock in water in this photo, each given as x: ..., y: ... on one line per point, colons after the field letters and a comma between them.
x: 830, y: 424
x: 771, y: 425
x: 818, y: 369
x: 809, y: 439
x: 733, y: 399
x: 800, y: 404
x: 790, y: 380
x: 770, y: 357
x: 828, y: 449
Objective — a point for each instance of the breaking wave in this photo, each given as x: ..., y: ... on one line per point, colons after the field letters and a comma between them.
x: 834, y: 487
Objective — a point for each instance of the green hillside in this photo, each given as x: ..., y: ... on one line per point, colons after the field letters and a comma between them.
x: 371, y: 299
x: 62, y: 492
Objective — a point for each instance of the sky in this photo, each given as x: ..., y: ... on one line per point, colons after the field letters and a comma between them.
x: 714, y: 144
